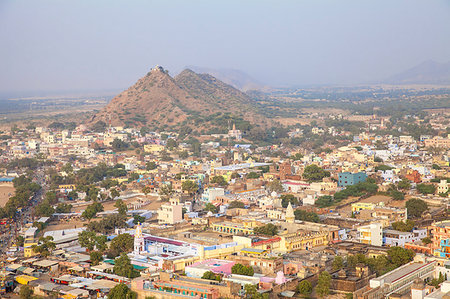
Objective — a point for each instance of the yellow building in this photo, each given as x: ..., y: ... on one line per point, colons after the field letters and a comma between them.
x: 358, y: 206
x: 28, y: 247
x: 245, y: 228
x: 153, y: 148
x: 303, y: 240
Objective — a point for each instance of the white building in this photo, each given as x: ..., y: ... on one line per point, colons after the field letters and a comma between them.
x: 371, y: 234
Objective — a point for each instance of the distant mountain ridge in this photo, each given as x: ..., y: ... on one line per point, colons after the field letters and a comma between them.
x: 236, y: 78
x: 157, y: 99
x: 427, y: 72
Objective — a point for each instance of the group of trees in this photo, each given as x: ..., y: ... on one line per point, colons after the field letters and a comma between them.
x: 45, y: 246
x: 367, y: 188
x: 211, y: 276
x: 396, y: 257
x: 306, y: 216
x: 123, y: 267
x: 189, y: 186
x: 416, y: 207
x: 305, y: 288
x: 288, y: 198
x: 242, y: 270
x: 406, y: 226
x: 92, y: 210
x: 426, y: 188
x: 236, y: 204
x: 314, y: 173
x: 268, y: 230
x: 107, y: 224
x: 25, y: 188
x: 218, y: 180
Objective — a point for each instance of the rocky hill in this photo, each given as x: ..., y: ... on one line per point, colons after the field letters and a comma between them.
x: 428, y: 72
x: 236, y: 78
x: 158, y: 100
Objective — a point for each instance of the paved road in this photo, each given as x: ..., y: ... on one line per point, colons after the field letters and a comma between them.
x: 8, y: 237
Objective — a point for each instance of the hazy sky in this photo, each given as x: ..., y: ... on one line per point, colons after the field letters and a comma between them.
x: 90, y: 44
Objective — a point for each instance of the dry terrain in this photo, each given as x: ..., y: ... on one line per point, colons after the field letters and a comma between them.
x: 6, y: 191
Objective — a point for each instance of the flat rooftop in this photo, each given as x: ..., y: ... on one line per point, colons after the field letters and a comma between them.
x: 401, y: 272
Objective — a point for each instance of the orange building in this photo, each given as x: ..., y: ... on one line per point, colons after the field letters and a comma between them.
x: 441, y: 238
x: 414, y: 176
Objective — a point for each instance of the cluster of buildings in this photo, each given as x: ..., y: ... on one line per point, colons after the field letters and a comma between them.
x: 203, y: 211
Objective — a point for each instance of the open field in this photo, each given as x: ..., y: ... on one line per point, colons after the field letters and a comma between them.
x: 6, y: 191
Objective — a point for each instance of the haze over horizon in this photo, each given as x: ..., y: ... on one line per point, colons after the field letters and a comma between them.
x: 77, y: 45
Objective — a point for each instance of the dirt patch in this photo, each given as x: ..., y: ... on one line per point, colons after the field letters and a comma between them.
x: 6, y: 191
x: 65, y: 224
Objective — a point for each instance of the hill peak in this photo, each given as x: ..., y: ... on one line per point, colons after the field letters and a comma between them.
x: 158, y: 100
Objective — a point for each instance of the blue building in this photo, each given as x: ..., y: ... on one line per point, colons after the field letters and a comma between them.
x: 349, y: 179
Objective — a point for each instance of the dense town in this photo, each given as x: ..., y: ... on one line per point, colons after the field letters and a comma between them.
x: 117, y: 212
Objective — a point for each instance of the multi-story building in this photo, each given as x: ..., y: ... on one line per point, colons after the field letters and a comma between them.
x: 210, y: 194
x: 397, y: 238
x: 349, y: 179
x: 437, y: 141
x: 234, y: 228
x: 371, y: 234
x: 440, y: 232
x: 442, y: 187
x: 170, y: 214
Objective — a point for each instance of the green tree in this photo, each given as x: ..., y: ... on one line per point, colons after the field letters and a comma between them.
x: 96, y: 257
x: 399, y: 256
x: 416, y: 207
x: 26, y: 292
x: 119, y: 145
x: 171, y: 143
x: 436, y: 167
x: 44, y: 209
x: 146, y: 190
x: 427, y: 240
x: 253, y: 175
x: 138, y: 219
x: 190, y: 186
x: 406, y: 226
x: 268, y: 230
x: 338, y: 263
x: 242, y: 270
x: 306, y: 216
x: 218, y: 180
x: 67, y: 168
x: 426, y: 188
x: 211, y: 276
x: 151, y: 165
x: 304, y: 288
x: 314, y: 173
x: 166, y: 191
x: 114, y: 193
x: 45, y: 246
x: 123, y: 267
x: 121, y: 291
x: 297, y: 157
x: 92, y: 210
x: 121, y: 207
x: 90, y: 240
x: 324, y: 201
x: 63, y: 208
x: 288, y: 198
x: 73, y: 195
x: 323, y: 285
x: 251, y: 291
x: 123, y: 243
x: 209, y: 207
x: 404, y: 184
x: 275, y: 185
x: 236, y: 204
